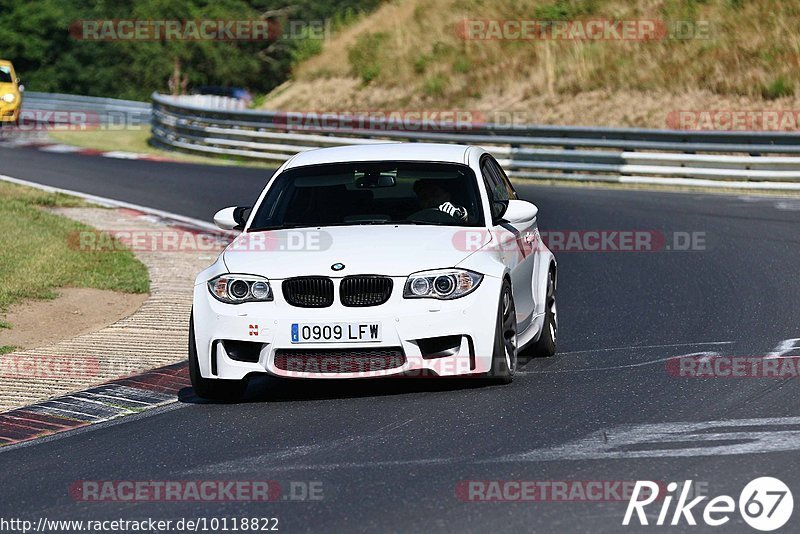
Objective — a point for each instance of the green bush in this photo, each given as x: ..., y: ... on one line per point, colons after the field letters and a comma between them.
x: 565, y: 9
x: 780, y: 87
x: 307, y: 46
x: 421, y: 63
x: 461, y: 65
x: 364, y: 55
x: 434, y: 85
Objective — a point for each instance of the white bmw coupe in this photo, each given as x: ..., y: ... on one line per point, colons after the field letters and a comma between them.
x: 404, y: 259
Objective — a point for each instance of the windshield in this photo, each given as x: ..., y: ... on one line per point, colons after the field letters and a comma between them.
x: 371, y: 193
x: 5, y: 75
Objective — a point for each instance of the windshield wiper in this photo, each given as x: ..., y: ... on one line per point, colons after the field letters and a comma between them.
x: 421, y: 223
x: 391, y: 223
x: 364, y: 222
x: 281, y: 227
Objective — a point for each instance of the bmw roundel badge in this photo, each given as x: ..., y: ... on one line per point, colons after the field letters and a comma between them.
x: 337, y: 266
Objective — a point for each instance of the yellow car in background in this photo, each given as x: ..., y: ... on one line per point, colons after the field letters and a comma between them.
x: 10, y: 93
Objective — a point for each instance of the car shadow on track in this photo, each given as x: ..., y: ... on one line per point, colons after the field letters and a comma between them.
x: 270, y: 389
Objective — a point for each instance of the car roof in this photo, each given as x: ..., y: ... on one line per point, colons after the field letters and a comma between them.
x: 382, y: 152
x: 5, y: 62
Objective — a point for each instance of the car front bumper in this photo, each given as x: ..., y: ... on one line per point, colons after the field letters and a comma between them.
x: 469, y: 320
x: 9, y: 112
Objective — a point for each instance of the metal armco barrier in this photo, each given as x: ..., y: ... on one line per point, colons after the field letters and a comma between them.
x: 60, y: 108
x: 747, y: 160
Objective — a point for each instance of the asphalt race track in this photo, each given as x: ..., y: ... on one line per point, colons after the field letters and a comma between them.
x: 390, y: 455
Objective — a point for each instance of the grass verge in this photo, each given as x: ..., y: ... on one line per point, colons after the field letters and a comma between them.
x: 36, y: 256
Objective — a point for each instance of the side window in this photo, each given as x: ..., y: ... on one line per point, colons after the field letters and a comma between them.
x: 495, y: 188
x: 494, y: 182
x: 506, y: 183
x: 487, y: 179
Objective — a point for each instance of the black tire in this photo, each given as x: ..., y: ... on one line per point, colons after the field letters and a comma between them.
x: 504, y: 356
x: 545, y: 346
x: 211, y: 388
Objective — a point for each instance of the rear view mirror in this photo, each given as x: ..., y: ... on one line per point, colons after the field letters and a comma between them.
x: 375, y: 180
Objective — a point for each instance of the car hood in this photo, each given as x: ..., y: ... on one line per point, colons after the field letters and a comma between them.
x: 386, y: 250
x: 8, y: 88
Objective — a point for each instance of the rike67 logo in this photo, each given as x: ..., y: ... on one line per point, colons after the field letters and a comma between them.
x: 765, y: 504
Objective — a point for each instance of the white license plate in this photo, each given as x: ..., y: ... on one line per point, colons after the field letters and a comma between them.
x: 335, y: 332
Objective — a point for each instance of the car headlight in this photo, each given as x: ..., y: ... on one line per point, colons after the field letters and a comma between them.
x: 443, y: 284
x: 9, y: 98
x: 238, y: 288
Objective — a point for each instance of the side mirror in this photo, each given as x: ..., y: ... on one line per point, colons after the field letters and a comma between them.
x: 520, y: 211
x: 233, y: 218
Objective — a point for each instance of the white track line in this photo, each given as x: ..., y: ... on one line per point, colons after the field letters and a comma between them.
x: 623, y: 366
x: 591, y: 369
x: 668, y: 345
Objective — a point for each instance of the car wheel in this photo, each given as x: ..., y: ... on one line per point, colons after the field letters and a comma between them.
x: 214, y: 388
x: 504, y: 357
x: 546, y: 345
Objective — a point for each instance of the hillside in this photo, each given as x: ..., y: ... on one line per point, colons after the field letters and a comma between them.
x: 413, y: 54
